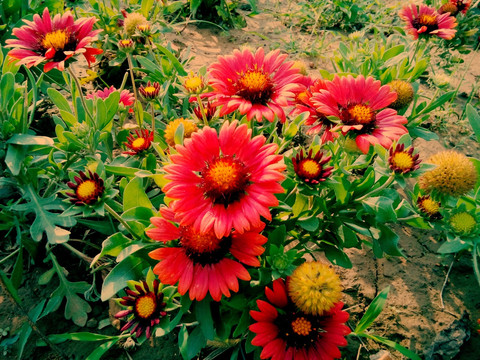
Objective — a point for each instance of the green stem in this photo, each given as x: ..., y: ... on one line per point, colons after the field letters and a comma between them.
x: 9, y: 256
x: 476, y: 254
x: 78, y: 253
x: 123, y: 222
x: 130, y: 67
x: 202, y: 110
x: 379, y: 189
x: 152, y: 109
x: 82, y: 98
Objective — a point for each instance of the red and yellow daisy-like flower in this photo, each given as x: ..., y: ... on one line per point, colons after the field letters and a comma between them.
x: 286, y: 333
x: 146, y: 307
x: 311, y: 169
x: 429, y: 207
x: 203, y: 263
x: 316, y: 119
x: 402, y: 160
x: 126, y: 97
x: 425, y: 20
x: 462, y: 5
x: 360, y: 105
x: 255, y: 84
x: 87, y: 188
x: 138, y: 143
x: 224, y: 181
x: 53, y: 40
x: 150, y: 91
x: 209, y: 109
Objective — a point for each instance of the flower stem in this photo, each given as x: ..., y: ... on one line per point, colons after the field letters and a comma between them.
x: 476, y: 254
x: 202, y: 110
x: 130, y: 67
x: 82, y: 98
x: 123, y: 222
x: 9, y: 256
x: 152, y: 109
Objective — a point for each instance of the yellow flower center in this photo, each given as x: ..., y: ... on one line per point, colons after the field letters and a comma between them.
x: 150, y: 90
x: 301, y: 326
x: 146, y: 305
x: 188, y: 129
x: 143, y: 27
x: 314, y: 288
x: 427, y: 20
x: 199, y: 243
x: 138, y: 143
x: 86, y: 190
x: 402, y: 160
x: 430, y: 206
x: 303, y: 97
x: 56, y: 39
x: 362, y: 114
x: 310, y: 167
x: 125, y: 42
x: 224, y: 179
x: 463, y: 223
x: 254, y: 81
x: 193, y: 84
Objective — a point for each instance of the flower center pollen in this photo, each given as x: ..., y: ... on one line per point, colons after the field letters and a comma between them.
x: 193, y: 83
x: 254, y: 81
x: 150, y: 90
x: 146, y: 305
x: 310, y: 167
x: 402, y: 160
x: 301, y: 326
x: 361, y: 114
x: 427, y: 20
x: 138, y: 143
x: 224, y: 180
x: 463, y: 222
x: 430, y: 206
x: 56, y: 39
x: 87, y: 190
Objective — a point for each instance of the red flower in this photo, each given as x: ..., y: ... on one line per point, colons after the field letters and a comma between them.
x: 224, y: 181
x: 53, y: 40
x: 202, y: 262
x: 285, y: 333
x: 311, y: 169
x: 257, y: 85
x: 88, y: 188
x: 425, y: 20
x: 140, y: 143
x: 126, y: 97
x: 462, y: 5
x: 358, y: 103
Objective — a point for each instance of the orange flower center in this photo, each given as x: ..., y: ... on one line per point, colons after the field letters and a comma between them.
x: 150, y: 90
x: 303, y: 97
x: 254, y: 81
x: 224, y: 179
x: 138, y: 143
x: 402, y: 160
x: 56, y: 39
x: 302, y: 326
x: 310, y: 167
x: 362, y: 114
x: 427, y: 20
x: 146, y: 305
x: 87, y: 190
x: 199, y: 243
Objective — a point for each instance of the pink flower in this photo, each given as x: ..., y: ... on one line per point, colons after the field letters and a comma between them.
x: 224, y: 181
x: 316, y: 119
x: 425, y: 20
x: 53, y: 40
x: 257, y: 85
x: 462, y: 5
x: 203, y: 263
x: 126, y: 97
x: 360, y: 105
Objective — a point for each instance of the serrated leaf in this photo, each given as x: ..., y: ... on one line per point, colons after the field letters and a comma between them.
x: 45, y: 220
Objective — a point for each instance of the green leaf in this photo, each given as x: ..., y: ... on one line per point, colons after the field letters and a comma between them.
x: 59, y: 100
x: 17, y: 272
x: 26, y: 330
x: 311, y: 224
x: 204, y: 317
x: 129, y: 268
x: 121, y: 170
x: 422, y: 133
x: 190, y: 344
x: 147, y: 5
x: 436, y: 103
x: 300, y: 205
x: 243, y: 324
x: 173, y: 60
x: 102, y: 349
x: 7, y: 88
x: 179, y: 134
x: 392, y: 52
x: 337, y: 256
x: 372, y: 312
x: 388, y: 240
x: 45, y: 220
x: 26, y: 139
x: 474, y: 119
x: 381, y: 207
x: 453, y: 246
x: 134, y: 195
x: 112, y: 246
x: 11, y: 289
x: 79, y: 336
x: 404, y: 351
x: 278, y: 235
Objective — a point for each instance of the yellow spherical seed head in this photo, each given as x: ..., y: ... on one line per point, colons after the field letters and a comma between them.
x: 463, y: 223
x: 454, y: 175
x: 314, y: 288
x: 132, y: 21
x: 145, y: 306
x: 404, y: 92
